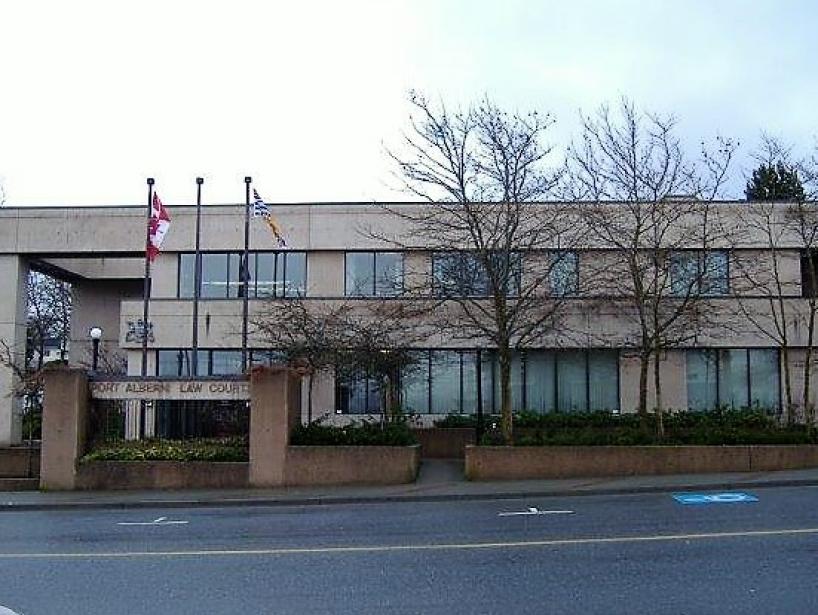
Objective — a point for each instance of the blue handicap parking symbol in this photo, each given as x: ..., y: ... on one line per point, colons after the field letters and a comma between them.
x: 714, y: 498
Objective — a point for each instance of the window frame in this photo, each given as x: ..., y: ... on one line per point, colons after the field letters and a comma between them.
x: 438, y: 288
x: 372, y: 291
x: 704, y: 280
x: 252, y: 286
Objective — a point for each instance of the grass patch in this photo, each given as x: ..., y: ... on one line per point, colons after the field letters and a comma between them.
x: 202, y: 449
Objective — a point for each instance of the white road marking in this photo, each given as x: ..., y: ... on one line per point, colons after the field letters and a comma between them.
x: 427, y: 547
x: 159, y: 521
x: 535, y: 511
x: 6, y: 611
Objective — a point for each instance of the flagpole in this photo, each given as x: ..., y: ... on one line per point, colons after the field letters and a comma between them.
x: 245, y: 272
x: 146, y: 291
x: 197, y: 278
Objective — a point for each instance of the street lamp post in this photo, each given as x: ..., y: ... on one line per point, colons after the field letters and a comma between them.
x: 96, y: 334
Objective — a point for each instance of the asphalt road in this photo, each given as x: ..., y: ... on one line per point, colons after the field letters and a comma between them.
x: 610, y: 554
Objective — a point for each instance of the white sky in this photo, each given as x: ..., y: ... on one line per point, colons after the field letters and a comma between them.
x: 96, y: 96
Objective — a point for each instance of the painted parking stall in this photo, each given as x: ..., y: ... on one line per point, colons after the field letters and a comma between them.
x: 727, y: 497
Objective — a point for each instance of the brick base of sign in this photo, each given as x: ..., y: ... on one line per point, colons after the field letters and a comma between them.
x: 351, y: 465
x: 161, y: 475
x: 532, y: 462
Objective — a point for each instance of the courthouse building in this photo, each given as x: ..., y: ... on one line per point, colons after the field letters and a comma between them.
x: 100, y: 251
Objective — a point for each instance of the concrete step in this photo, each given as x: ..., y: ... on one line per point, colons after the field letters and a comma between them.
x: 19, y: 484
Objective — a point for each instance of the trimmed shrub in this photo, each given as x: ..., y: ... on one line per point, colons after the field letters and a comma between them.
x: 718, y: 427
x: 202, y: 449
x: 365, y: 433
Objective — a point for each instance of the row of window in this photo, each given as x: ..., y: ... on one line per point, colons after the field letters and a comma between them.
x: 269, y: 274
x: 739, y: 378
x: 219, y: 362
x: 454, y: 274
x: 446, y: 381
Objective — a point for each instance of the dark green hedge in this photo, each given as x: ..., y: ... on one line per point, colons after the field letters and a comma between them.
x: 717, y: 427
x: 203, y: 449
x: 356, y: 434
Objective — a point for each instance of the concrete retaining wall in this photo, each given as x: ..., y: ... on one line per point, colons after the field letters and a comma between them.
x: 444, y: 442
x: 19, y: 462
x: 162, y: 475
x: 346, y: 465
x: 510, y: 463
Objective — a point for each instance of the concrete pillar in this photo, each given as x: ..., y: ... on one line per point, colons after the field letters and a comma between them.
x: 65, y: 426
x: 275, y: 405
x: 14, y: 275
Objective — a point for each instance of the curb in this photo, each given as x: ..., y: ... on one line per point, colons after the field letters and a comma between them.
x: 10, y: 507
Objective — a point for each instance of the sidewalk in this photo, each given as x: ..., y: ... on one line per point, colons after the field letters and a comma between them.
x: 439, y: 480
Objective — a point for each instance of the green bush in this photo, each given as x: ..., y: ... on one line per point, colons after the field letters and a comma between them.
x: 718, y: 427
x: 203, y: 449
x: 366, y: 433
x: 461, y: 420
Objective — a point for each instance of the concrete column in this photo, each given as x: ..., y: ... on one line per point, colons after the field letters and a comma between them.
x: 65, y: 426
x: 275, y: 408
x: 14, y: 274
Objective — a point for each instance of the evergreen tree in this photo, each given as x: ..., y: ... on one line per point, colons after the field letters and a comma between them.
x: 775, y: 182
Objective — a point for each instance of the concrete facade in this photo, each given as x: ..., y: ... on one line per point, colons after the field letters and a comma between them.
x: 14, y: 274
x: 100, y: 250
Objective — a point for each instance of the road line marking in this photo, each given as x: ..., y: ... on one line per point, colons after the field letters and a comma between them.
x: 535, y: 511
x: 159, y: 521
x: 428, y: 547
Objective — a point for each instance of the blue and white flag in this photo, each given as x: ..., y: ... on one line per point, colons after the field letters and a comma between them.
x: 262, y: 210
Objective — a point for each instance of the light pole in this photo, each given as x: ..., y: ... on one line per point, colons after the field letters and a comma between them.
x: 96, y: 334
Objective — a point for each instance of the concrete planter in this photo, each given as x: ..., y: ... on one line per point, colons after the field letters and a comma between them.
x: 162, y: 475
x: 527, y: 462
x: 348, y: 465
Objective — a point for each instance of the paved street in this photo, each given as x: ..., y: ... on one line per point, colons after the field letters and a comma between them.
x: 590, y: 554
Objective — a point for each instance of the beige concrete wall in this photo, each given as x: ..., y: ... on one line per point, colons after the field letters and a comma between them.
x: 100, y: 268
x: 325, y: 274
x: 322, y: 226
x: 14, y: 276
x: 96, y: 303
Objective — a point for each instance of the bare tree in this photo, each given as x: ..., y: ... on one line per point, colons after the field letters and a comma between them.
x: 49, y: 315
x: 773, y: 306
x: 501, y: 258
x: 370, y: 337
x: 28, y: 382
x: 652, y: 206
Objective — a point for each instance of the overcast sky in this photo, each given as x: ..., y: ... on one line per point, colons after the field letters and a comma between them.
x: 302, y: 95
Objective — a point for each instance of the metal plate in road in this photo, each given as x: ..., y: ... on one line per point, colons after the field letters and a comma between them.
x: 731, y: 497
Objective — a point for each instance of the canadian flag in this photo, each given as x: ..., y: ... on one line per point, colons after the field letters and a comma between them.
x: 158, y: 226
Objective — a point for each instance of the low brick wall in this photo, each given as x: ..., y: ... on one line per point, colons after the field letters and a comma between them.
x: 523, y: 462
x: 19, y: 462
x: 347, y: 465
x: 444, y: 442
x: 783, y: 457
x: 162, y: 475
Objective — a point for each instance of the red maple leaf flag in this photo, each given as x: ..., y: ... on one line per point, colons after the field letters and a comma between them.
x: 158, y: 225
